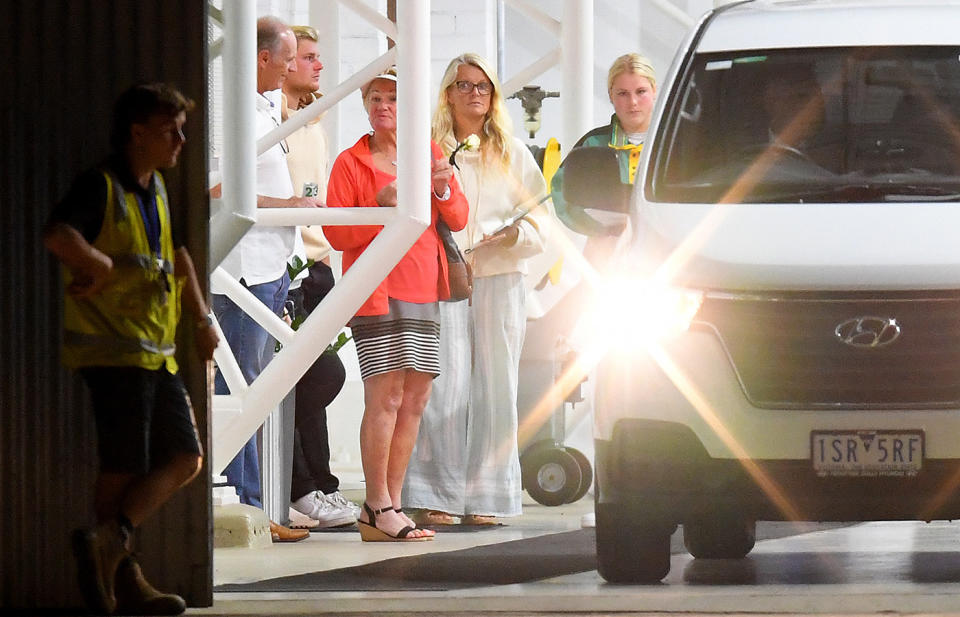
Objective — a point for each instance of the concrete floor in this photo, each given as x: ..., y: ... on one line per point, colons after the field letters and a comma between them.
x: 890, y: 567
x: 327, y: 551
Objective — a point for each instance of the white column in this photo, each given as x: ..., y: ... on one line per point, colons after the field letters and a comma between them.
x: 576, y: 93
x: 413, y: 109
x: 325, y: 17
x: 238, y: 166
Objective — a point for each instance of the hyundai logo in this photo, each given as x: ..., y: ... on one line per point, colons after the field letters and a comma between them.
x: 868, y: 332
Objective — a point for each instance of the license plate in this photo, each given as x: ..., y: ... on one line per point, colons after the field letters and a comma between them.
x: 866, y: 453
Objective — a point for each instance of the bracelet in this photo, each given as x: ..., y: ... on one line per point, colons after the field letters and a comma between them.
x: 205, y: 322
x: 445, y: 196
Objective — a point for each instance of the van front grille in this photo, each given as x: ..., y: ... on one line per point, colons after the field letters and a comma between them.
x: 787, y: 354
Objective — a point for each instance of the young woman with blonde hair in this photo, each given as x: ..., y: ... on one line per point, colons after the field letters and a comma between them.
x: 632, y: 88
x: 466, y: 461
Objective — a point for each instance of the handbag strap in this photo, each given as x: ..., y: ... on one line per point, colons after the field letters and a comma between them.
x: 449, y: 244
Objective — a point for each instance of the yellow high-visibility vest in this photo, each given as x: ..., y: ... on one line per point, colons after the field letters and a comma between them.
x: 132, y: 320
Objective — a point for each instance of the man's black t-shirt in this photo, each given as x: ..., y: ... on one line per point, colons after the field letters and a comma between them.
x: 83, y: 206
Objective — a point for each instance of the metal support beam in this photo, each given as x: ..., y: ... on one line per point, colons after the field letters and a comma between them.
x: 548, y: 23
x: 375, y: 19
x: 527, y: 74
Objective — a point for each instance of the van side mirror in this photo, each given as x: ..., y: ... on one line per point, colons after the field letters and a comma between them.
x: 591, y: 181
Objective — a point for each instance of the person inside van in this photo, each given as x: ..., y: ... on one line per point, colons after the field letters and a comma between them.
x: 795, y: 110
x: 793, y: 102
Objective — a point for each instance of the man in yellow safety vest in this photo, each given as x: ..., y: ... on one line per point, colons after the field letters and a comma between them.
x: 125, y: 275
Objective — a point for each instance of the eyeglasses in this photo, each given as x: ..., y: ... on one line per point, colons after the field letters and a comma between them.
x: 466, y: 87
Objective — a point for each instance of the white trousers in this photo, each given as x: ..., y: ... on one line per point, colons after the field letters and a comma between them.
x: 466, y: 460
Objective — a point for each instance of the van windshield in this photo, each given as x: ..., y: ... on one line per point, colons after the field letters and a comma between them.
x: 813, y: 125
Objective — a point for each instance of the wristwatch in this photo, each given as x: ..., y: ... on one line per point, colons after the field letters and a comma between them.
x: 445, y: 196
x: 205, y: 322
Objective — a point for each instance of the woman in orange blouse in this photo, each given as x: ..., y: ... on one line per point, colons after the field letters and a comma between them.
x: 397, y: 330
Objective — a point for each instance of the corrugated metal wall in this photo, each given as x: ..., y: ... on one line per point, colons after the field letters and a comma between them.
x: 65, y: 63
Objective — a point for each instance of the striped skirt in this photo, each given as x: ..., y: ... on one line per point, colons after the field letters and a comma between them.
x: 408, y: 337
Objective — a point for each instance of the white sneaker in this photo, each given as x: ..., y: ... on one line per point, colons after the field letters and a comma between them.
x: 338, y: 499
x: 318, y: 507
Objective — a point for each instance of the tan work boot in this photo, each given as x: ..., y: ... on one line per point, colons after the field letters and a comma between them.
x: 98, y: 552
x: 136, y: 596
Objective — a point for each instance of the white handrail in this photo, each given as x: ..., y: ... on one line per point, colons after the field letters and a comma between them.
x: 323, y: 324
x: 227, y: 363
x: 253, y: 307
x: 276, y: 217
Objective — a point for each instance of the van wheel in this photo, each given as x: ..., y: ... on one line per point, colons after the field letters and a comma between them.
x: 719, y: 537
x: 631, y: 549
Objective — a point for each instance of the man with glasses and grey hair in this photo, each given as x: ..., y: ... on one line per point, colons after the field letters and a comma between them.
x: 259, y: 260
x: 315, y: 498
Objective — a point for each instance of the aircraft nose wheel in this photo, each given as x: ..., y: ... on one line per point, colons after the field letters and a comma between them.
x: 554, y: 475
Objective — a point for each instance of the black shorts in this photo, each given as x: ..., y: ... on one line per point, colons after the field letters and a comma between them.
x: 143, y: 417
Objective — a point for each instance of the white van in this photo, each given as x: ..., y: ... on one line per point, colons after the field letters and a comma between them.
x: 783, y: 340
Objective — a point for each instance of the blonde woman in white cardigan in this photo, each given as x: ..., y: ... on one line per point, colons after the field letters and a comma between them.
x: 466, y: 462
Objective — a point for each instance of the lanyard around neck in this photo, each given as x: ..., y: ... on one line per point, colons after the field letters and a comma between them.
x: 634, y: 158
x: 151, y: 223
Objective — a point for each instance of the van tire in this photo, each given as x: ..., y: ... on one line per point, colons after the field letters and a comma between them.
x: 630, y: 548
x: 719, y: 537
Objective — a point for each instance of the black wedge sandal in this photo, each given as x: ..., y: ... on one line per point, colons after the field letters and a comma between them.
x: 369, y: 532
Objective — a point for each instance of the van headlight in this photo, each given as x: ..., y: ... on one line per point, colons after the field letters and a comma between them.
x: 627, y: 312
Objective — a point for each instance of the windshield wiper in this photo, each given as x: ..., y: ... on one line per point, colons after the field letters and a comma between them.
x: 845, y: 192
x: 863, y: 192
x: 909, y: 192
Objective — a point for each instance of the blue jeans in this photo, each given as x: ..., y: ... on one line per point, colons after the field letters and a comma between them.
x: 253, y: 347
